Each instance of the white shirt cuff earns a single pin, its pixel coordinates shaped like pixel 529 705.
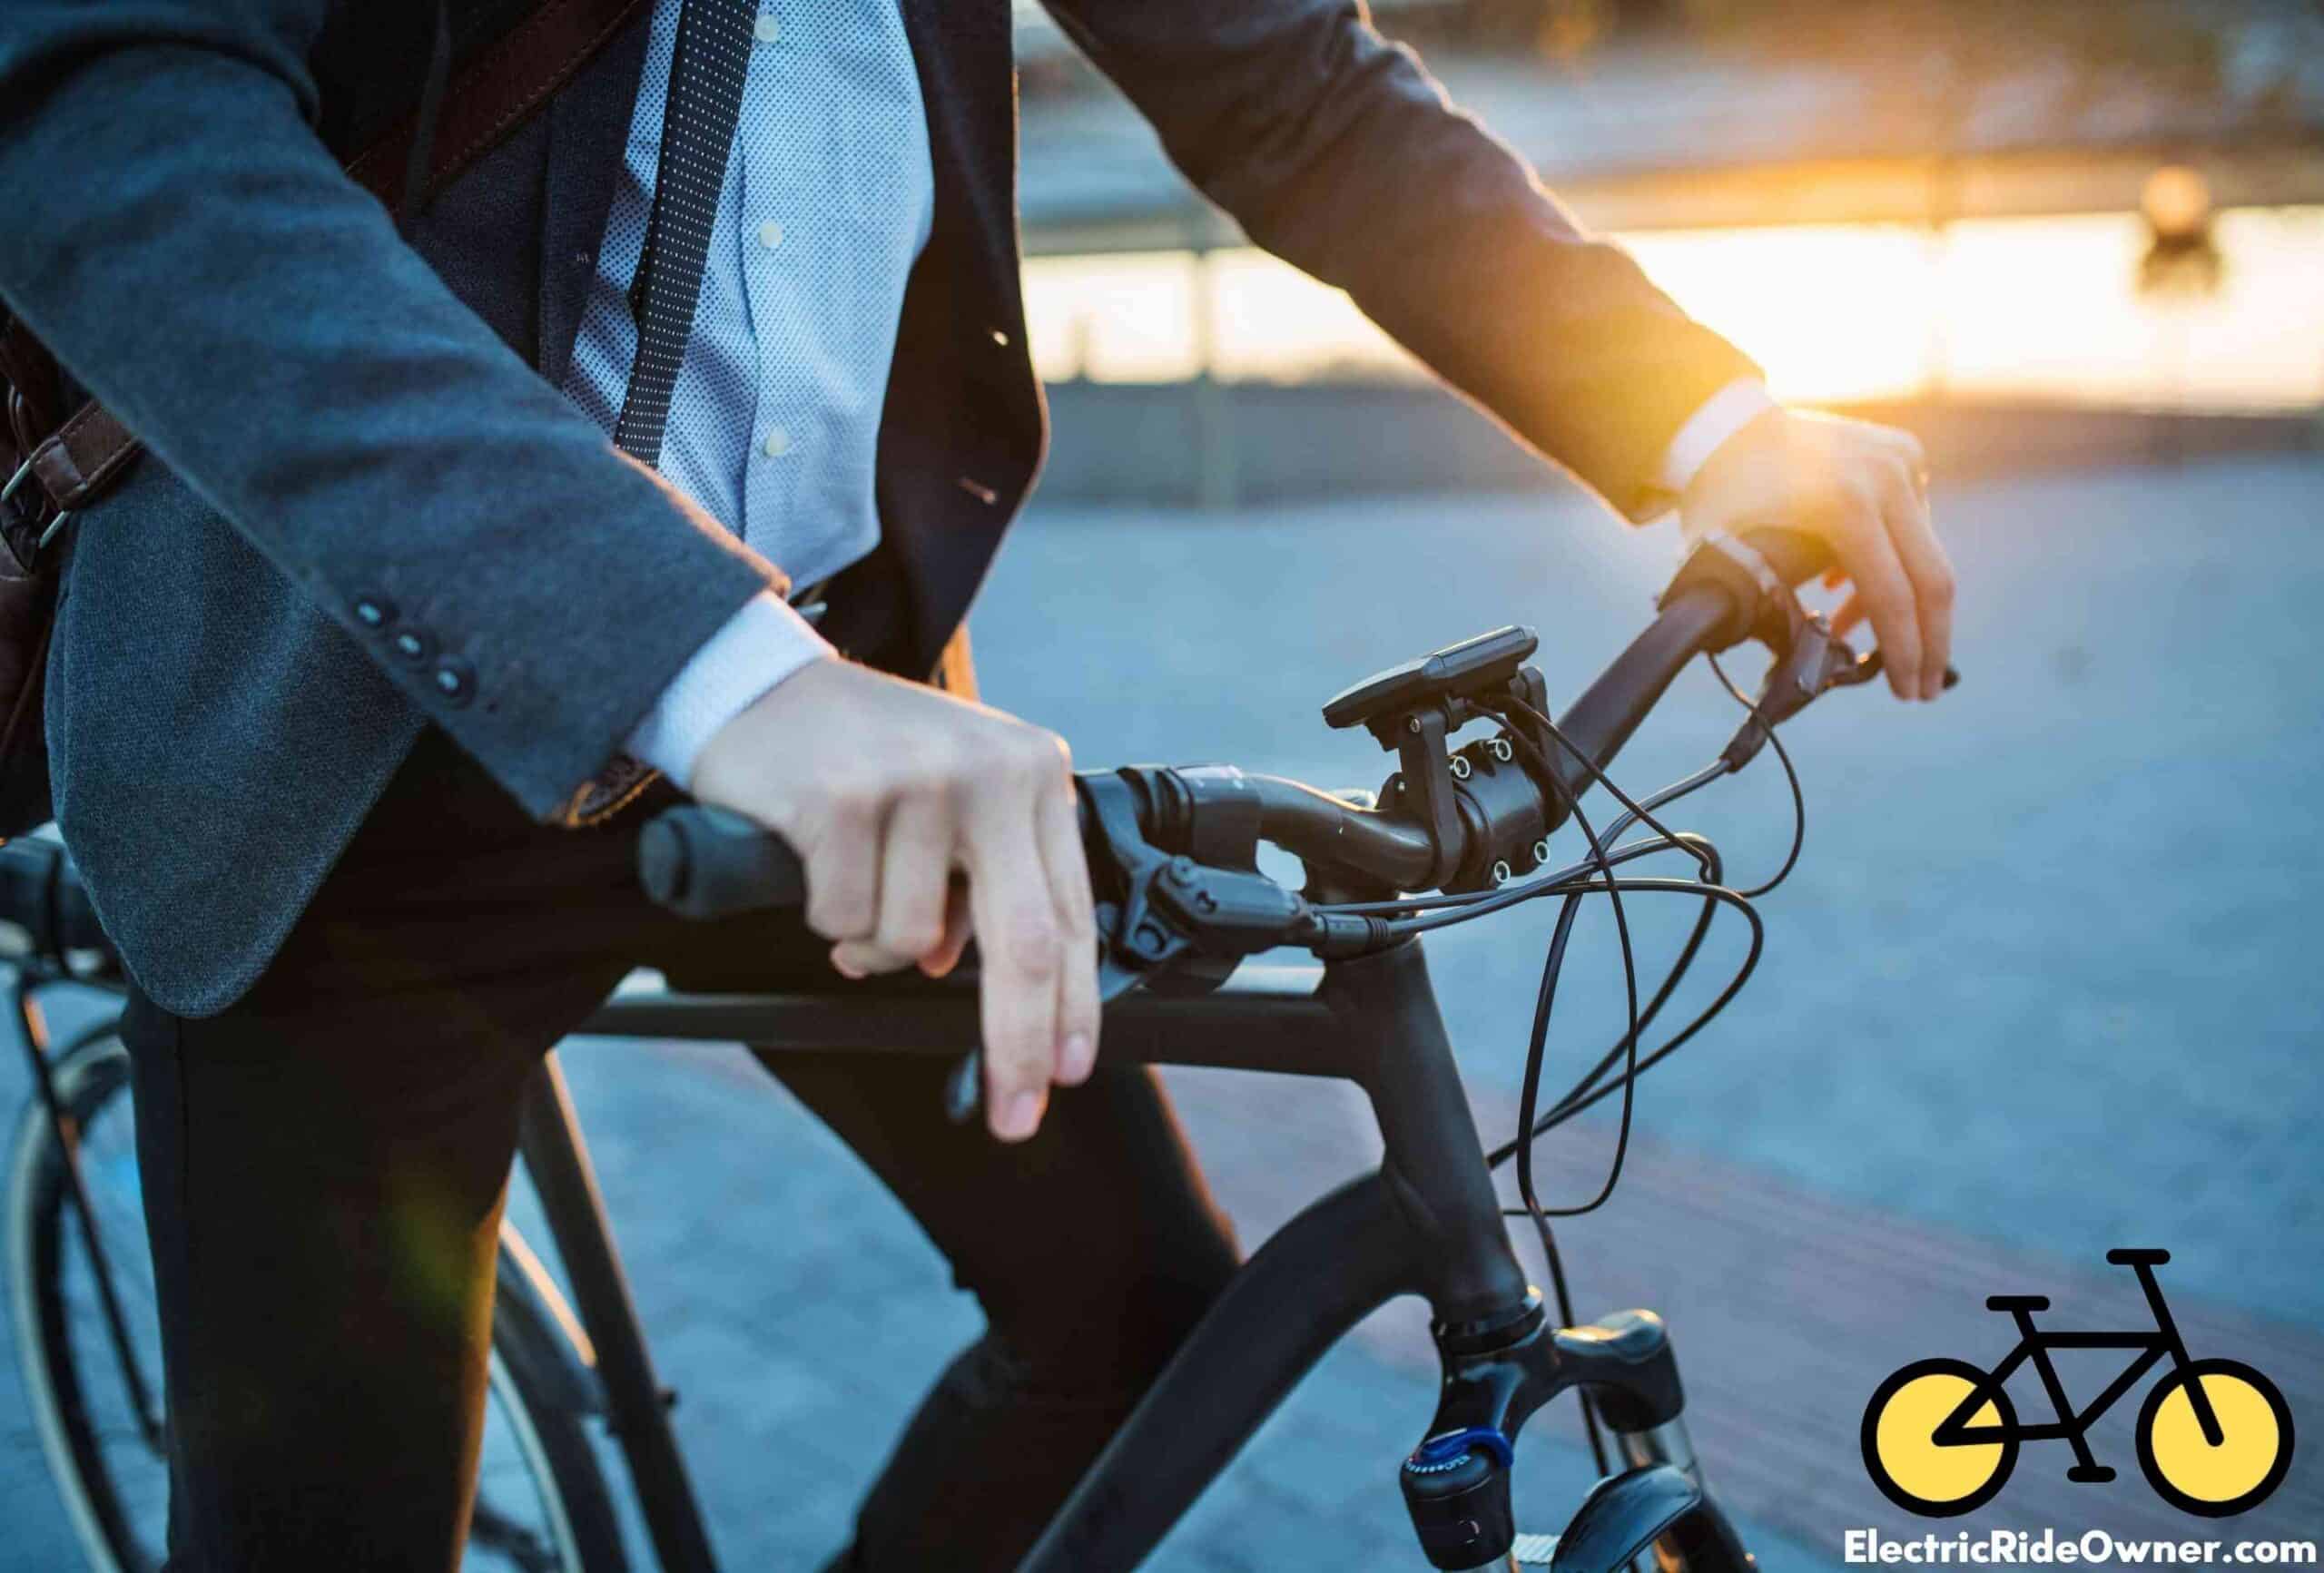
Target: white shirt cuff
pixel 757 648
pixel 1715 420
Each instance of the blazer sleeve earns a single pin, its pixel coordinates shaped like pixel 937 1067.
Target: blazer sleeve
pixel 182 242
pixel 1337 152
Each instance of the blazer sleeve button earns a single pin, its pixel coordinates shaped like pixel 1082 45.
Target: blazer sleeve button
pixel 413 645
pixel 455 679
pixel 374 611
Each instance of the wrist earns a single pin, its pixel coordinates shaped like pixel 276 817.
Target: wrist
pixel 731 765
pixel 1710 496
pixel 1714 427
pixel 761 647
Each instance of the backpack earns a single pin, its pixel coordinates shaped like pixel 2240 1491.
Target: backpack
pixel 63 451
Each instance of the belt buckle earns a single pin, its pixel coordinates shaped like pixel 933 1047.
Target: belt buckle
pixel 21 526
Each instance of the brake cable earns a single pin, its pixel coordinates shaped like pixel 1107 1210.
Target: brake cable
pixel 1790 775
pixel 1526 731
pixel 1585 1093
pixel 1573 1102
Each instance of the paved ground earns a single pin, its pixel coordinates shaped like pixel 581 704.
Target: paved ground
pixel 2040 987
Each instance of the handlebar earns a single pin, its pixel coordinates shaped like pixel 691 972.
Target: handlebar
pixel 705 862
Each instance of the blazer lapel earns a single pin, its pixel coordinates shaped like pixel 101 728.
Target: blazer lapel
pixel 964 53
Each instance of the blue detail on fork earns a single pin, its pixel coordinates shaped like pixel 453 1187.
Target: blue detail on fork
pixel 1442 1453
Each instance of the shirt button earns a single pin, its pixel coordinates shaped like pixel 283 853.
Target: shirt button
pixel 766 29
pixel 455 679
pixel 770 234
pixel 776 443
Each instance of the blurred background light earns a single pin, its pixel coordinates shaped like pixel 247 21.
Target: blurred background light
pixel 2053 307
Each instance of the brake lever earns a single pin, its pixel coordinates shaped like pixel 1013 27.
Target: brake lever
pixel 1868 666
pixel 1138 937
pixel 1816 662
pixel 964 1088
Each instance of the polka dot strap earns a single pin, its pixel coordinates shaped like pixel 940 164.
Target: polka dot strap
pixel 705 99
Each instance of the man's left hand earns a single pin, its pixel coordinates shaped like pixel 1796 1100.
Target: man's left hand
pixel 1863 489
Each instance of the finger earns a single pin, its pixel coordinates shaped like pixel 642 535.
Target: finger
pixel 843 875
pixel 1057 821
pixel 1906 514
pixel 1835 576
pixel 939 962
pixel 1870 558
pixel 1850 615
pixel 1019 948
pixel 1908 449
pixel 915 870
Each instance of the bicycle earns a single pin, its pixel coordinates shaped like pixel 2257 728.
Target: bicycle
pixel 1940 1436
pixel 1182 907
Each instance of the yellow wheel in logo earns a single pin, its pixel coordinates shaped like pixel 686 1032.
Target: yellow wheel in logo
pixel 2255 1441
pixel 1910 1466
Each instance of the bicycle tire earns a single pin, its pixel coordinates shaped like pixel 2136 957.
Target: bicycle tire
pixel 40 1237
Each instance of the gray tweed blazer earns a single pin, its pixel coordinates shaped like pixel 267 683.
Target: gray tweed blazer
pixel 350 436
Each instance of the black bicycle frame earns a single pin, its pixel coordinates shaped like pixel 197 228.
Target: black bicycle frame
pixel 2034 1345
pixel 1427 1222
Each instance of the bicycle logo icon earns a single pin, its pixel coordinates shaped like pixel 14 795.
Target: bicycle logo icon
pixel 2214 1437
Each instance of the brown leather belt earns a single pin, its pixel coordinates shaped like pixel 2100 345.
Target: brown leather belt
pixel 70 463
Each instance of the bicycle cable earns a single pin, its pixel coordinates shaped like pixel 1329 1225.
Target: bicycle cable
pixel 1573 1102
pixel 1790 775
pixel 1589 1090
pixel 1596 875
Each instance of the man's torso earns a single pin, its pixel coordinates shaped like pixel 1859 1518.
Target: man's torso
pixel 207 809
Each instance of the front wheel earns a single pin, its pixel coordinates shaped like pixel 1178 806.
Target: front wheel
pixel 2255 1441
pixel 541 1503
pixel 1901 1452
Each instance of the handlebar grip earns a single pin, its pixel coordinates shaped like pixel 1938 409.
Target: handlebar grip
pixel 701 862
pixel 1795 558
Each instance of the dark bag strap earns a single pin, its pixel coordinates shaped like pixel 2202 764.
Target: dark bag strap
pixel 71 463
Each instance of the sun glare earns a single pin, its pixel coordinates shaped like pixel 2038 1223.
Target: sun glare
pixel 2043 308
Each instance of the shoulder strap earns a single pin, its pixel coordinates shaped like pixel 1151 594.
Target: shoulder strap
pixel 494 93
pixel 73 463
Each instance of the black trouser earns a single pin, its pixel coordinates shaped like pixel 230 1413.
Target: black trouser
pixel 325 1164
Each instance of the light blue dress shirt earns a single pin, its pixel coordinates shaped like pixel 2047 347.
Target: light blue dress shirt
pixel 775 419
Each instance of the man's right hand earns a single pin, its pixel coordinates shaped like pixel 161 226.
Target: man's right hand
pixel 885 789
